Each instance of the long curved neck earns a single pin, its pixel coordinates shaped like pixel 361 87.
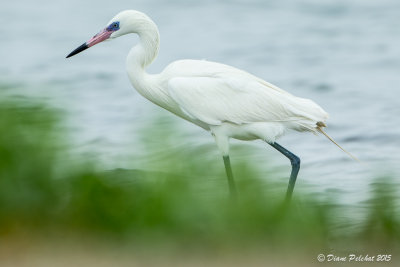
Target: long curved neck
pixel 143 54
pixel 139 57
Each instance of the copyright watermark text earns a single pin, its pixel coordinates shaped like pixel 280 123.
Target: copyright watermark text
pixel 354 258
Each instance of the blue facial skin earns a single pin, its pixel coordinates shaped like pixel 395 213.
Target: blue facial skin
pixel 113 27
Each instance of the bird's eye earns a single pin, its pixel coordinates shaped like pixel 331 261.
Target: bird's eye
pixel 113 26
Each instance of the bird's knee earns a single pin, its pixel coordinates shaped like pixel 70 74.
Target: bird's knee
pixel 295 160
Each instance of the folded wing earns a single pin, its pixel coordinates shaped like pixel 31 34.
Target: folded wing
pixel 242 99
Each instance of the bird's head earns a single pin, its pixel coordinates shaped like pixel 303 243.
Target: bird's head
pixel 125 22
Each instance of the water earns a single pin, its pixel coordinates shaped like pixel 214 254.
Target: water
pixel 344 55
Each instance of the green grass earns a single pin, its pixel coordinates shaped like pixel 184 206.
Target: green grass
pixel 43 192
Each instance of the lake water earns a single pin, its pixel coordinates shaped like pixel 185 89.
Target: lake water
pixel 345 55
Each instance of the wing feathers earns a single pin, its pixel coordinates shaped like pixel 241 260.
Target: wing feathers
pixel 240 100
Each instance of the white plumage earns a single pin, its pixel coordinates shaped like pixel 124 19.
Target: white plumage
pixel 229 102
pixel 236 104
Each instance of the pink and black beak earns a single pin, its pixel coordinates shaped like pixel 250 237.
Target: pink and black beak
pixel 98 38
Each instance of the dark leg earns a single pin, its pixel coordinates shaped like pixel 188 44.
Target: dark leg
pixel 231 182
pixel 295 161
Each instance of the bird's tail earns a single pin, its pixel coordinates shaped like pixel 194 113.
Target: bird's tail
pixel 319 129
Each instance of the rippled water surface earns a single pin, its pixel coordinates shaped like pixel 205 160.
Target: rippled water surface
pixel 345 55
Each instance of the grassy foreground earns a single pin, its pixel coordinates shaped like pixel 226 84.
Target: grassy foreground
pixel 50 205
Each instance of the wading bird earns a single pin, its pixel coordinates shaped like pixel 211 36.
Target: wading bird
pixel 228 102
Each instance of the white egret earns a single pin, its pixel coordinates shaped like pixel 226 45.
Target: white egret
pixel 228 102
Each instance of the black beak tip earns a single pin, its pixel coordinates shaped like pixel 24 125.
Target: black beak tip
pixel 78 50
